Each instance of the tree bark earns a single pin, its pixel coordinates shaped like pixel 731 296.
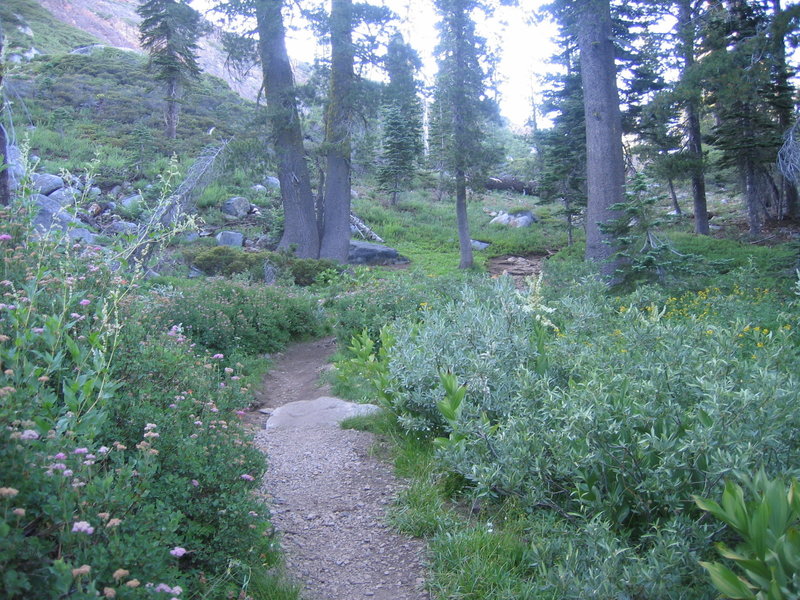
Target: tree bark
pixel 464 241
pixel 172 109
pixel 335 243
pixel 300 227
pixel 460 133
pixel 784 105
pixel 676 207
pixel 5 187
pixel 605 166
pixel 749 174
pixel 687 34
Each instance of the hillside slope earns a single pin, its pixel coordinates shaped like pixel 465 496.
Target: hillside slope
pixel 109 22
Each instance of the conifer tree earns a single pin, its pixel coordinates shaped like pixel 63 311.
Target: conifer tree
pixel 461 110
pixel 402 119
pixel 169 32
pixel 736 72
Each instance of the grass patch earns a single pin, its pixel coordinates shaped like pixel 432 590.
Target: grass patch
pixel 51 35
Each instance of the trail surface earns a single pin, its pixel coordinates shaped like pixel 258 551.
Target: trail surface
pixel 329 493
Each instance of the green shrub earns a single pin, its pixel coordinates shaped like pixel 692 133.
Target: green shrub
pixel 232 317
pixel 123 470
pixel 769 551
pixel 228 261
pixel 614 410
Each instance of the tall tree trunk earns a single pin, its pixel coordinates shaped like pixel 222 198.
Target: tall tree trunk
pixel 299 227
pixel 749 174
pixel 172 109
pixel 335 242
pixel 460 133
pixel 687 33
pixel 5 187
pixel 605 165
pixel 676 207
pixel 464 241
pixel 784 103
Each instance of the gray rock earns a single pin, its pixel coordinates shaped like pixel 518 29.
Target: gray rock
pixel 523 218
pixel 262 242
pixel 45 183
pixel 16 169
pixel 259 189
pixel 94 192
pixel 479 245
pixel 123 228
pixel 236 207
pixel 131 202
pixel 191 236
pixel 366 253
pixel 51 215
pixel 270 273
pixel 81 234
pixel 65 196
pixel 322 411
pixel 230 238
pixel 272 183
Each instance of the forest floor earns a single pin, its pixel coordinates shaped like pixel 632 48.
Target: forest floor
pixel 329 492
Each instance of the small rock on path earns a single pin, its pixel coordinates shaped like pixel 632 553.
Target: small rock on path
pixel 329 493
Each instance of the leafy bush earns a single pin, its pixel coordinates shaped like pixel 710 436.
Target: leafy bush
pixel 227 261
pixel 123 470
pixel 236 317
pixel 769 552
pixel 614 411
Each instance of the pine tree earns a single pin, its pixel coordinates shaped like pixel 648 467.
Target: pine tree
pixel 736 71
pixel 401 118
pixel 605 166
pixel 169 32
pixel 461 108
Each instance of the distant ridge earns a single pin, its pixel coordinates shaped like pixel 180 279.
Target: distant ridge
pixel 115 23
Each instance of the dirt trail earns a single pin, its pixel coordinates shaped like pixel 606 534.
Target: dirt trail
pixel 329 495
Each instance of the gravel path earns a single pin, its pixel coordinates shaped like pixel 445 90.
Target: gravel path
pixel 329 496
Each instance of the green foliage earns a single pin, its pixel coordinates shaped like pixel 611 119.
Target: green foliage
pixel 378 301
pixel 610 412
pixel 169 32
pixel 769 552
pixel 228 261
pixel 59 38
pixel 645 255
pixel 123 470
pixel 402 119
pixel 106 106
pixel 234 317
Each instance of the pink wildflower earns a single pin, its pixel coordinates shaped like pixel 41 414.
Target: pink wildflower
pixel 218 356
pixel 177 551
pixel 5 237
pixel 82 527
pixel 29 434
pixel 246 477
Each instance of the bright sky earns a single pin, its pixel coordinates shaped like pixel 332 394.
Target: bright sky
pixel 523 46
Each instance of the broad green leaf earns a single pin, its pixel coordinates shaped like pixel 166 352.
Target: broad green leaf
pixel 727 582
